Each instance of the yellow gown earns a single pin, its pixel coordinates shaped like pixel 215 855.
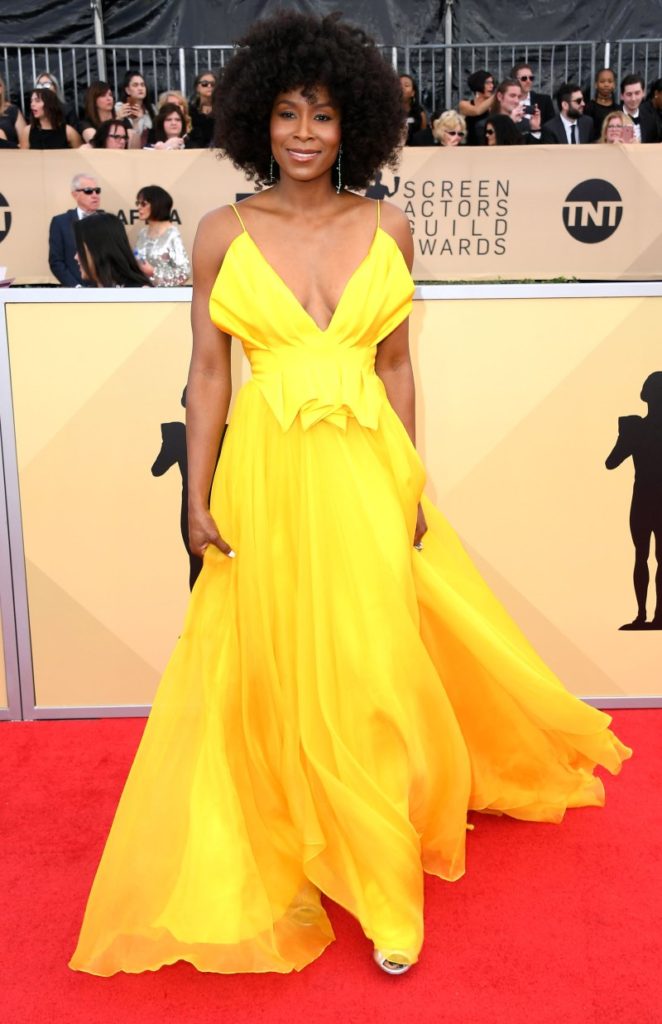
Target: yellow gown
pixel 337 701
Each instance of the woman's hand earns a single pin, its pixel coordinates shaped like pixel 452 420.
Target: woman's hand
pixel 421 528
pixel 203 531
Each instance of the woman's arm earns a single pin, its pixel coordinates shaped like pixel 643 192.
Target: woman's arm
pixel 474 108
pixel 393 361
pixel 393 366
pixel 179 257
pixel 140 252
pixel 20 123
pixel 73 138
pixel 24 138
pixel 209 386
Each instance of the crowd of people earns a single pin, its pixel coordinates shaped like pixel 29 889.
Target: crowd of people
pixel 94 251
pixel 513 113
pixel 132 120
pixel 129 121
pixel 88 247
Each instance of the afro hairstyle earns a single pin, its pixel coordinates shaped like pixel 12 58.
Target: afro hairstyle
pixel 296 51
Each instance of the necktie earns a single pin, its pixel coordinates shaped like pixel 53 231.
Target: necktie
pixel 573 136
pixel 635 119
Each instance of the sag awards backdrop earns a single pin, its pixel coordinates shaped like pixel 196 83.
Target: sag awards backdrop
pixel 519 403
pixel 535 212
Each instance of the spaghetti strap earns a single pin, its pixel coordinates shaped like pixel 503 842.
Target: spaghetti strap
pixel 379 208
pixel 244 226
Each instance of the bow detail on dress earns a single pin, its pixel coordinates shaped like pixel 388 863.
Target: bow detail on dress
pixel 319 384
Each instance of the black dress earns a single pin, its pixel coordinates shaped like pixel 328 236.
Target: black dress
pixel 8 126
pixel 414 122
pixel 598 112
pixel 476 128
pixel 424 138
pixel 151 140
pixel 85 124
pixel 202 130
pixel 48 138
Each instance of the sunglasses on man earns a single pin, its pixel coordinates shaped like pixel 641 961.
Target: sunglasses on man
pixel 89 191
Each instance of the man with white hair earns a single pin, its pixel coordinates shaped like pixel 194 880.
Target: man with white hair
pixel 61 245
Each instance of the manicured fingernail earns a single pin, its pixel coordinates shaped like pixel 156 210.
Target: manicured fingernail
pixel 232 554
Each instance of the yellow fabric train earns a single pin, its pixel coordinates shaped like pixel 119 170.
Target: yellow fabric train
pixel 337 701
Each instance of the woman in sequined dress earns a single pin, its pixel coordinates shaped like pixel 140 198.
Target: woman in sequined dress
pixel 159 250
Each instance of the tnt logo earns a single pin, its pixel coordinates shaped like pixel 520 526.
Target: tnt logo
pixel 592 211
pixel 5 218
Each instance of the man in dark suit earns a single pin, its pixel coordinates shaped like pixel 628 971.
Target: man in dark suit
pixel 571 126
pixel 654 103
pixel 61 245
pixel 523 73
pixel 646 127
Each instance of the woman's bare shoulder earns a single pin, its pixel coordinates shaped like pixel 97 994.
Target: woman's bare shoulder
pixel 392 217
pixel 223 220
pixel 395 222
pixel 228 221
pixel 216 232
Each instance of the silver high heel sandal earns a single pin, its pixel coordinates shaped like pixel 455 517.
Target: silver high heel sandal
pixel 390 966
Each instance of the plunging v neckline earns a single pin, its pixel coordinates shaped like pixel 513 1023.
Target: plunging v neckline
pixel 288 290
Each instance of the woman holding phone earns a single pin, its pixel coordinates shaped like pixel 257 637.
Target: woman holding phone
pixel 617 127
pixel 135 105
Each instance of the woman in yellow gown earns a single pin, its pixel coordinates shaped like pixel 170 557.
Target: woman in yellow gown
pixel 346 687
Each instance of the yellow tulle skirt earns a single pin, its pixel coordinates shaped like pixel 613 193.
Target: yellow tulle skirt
pixel 336 703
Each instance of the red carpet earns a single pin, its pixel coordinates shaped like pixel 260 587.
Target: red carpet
pixel 551 925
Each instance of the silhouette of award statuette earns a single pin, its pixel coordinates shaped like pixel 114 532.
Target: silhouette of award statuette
pixel 173 453
pixel 640 437
pixel 378 190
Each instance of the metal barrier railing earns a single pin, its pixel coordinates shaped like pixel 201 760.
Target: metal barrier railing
pixel 552 63
pixel 163 67
pixel 641 55
pixel 441 71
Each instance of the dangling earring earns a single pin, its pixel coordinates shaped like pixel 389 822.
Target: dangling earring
pixel 272 180
pixel 338 170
